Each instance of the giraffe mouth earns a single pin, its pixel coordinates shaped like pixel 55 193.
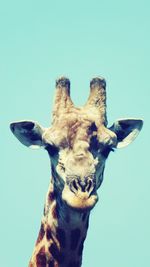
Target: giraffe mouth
pixel 78 199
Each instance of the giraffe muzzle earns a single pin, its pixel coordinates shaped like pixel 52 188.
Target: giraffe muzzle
pixel 81 186
pixel 80 194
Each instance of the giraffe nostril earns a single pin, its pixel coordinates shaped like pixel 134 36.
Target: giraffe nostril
pixel 74 186
pixel 74 183
pixel 89 185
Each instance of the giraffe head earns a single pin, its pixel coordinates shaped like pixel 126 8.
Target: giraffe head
pixel 78 142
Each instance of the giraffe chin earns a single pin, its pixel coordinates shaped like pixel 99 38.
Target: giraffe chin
pixel 79 200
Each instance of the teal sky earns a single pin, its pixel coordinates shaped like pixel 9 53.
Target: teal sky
pixel 41 40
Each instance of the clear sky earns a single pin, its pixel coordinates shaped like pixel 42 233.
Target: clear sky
pixel 41 40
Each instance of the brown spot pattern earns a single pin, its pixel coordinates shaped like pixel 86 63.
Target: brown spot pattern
pixel 56 254
pixel 51 196
pixel 54 212
pixel 41 258
pixel 48 233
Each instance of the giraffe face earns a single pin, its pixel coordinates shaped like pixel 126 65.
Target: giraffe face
pixel 78 161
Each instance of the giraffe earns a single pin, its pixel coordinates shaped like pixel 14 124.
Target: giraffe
pixel 78 143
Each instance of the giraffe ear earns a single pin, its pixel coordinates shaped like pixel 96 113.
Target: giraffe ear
pixel 126 131
pixel 29 133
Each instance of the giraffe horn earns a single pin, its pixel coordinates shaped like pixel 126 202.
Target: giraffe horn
pixel 62 97
pixel 97 98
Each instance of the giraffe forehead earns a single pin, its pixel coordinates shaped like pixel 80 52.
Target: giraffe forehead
pixel 69 128
pixel 74 121
pixel 77 114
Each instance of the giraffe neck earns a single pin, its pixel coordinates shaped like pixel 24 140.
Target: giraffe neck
pixel 62 234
